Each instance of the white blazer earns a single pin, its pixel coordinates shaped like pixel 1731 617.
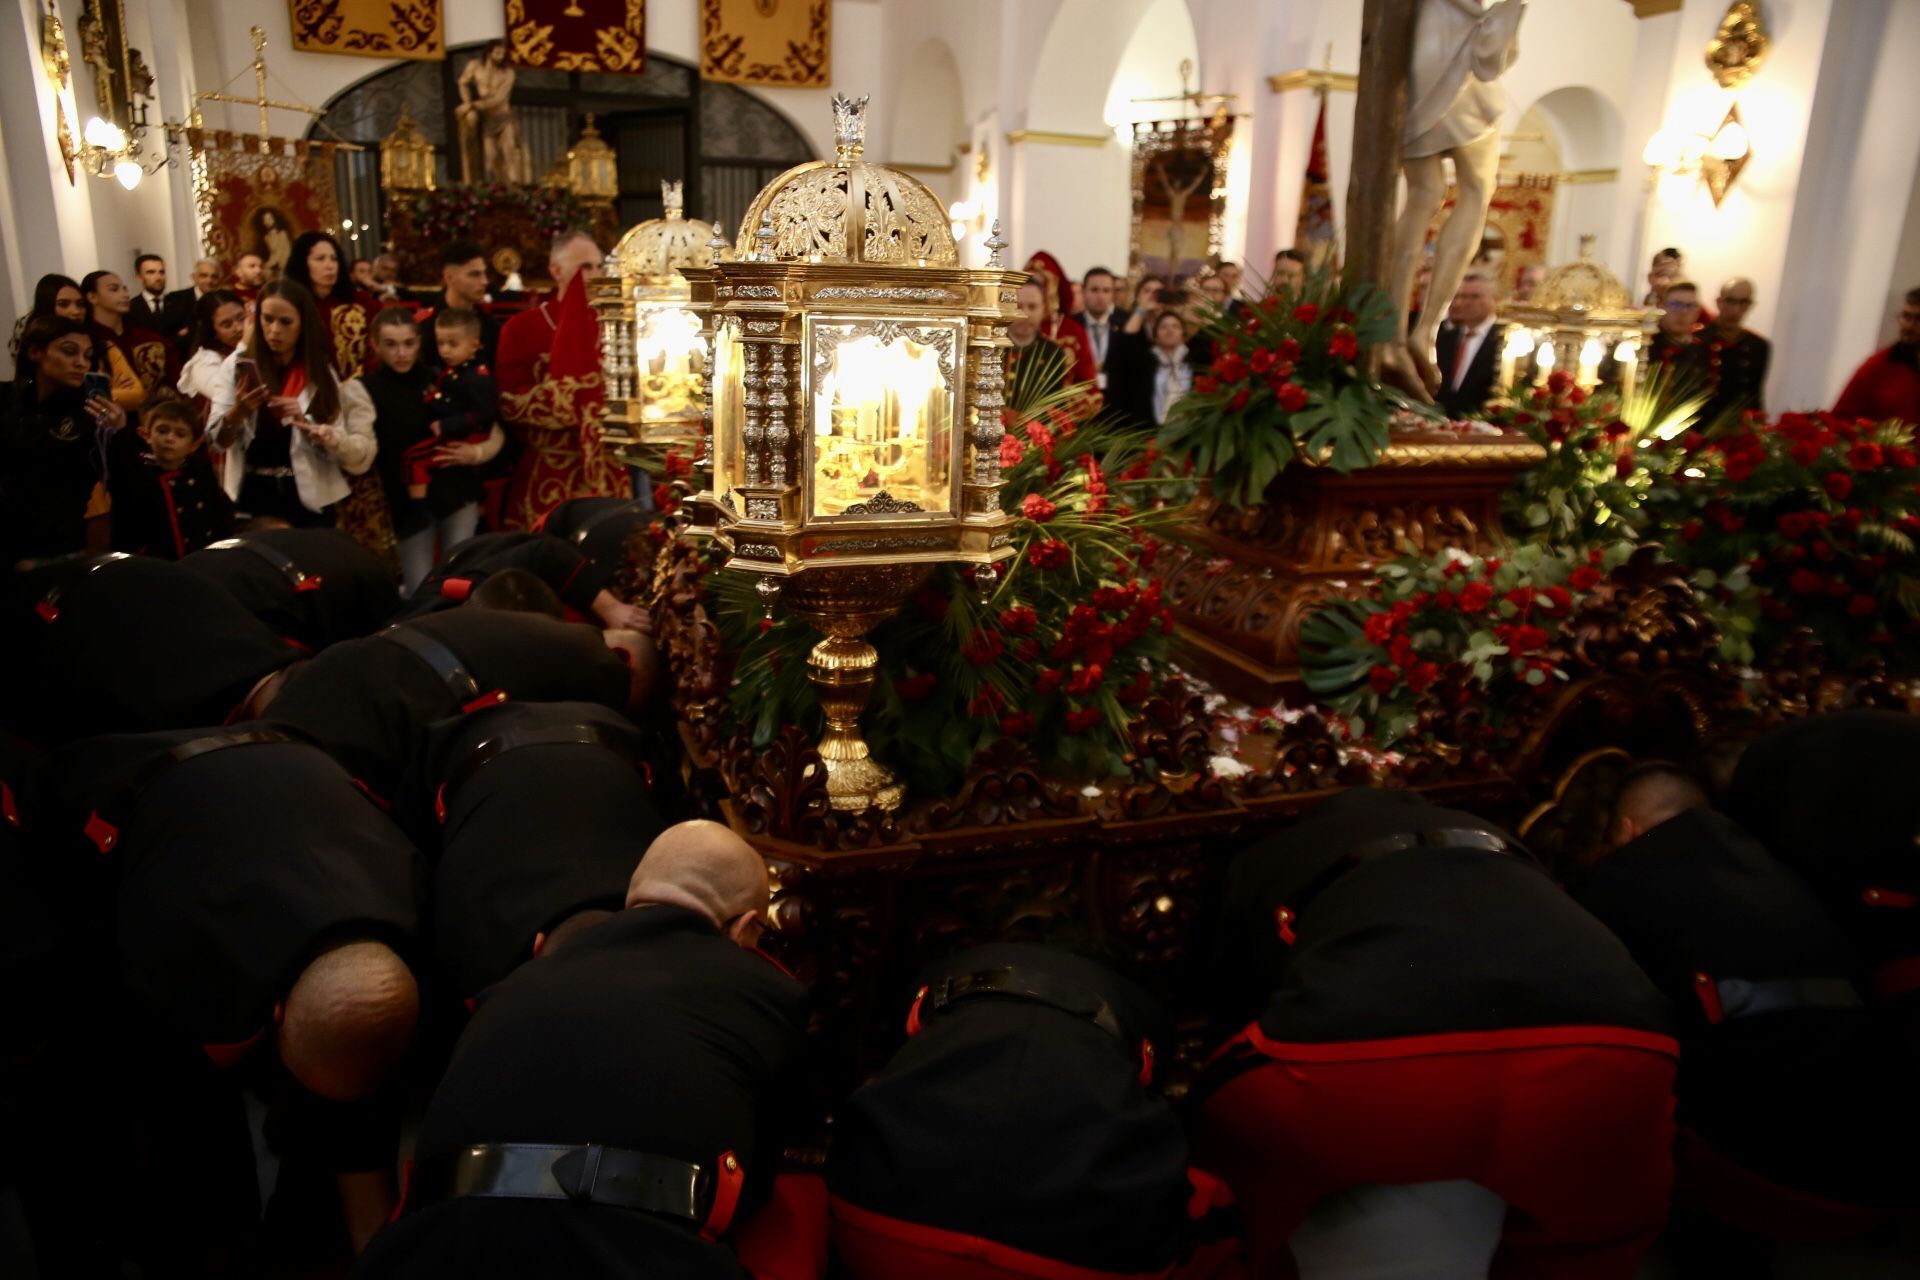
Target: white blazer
pixel 319 474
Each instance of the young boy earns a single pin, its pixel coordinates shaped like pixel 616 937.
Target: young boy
pixel 435 429
pixel 166 500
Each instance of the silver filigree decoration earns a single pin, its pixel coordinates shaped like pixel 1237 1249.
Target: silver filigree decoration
pixel 777 400
pixel 726 500
pixel 757 551
pixel 849 125
pixel 995 243
pixel 763 239
pixel 763 326
pixel 757 291
pixel 882 504
pixel 1000 540
pixel 763 508
pixel 890 293
pixel 850 545
pixel 827 339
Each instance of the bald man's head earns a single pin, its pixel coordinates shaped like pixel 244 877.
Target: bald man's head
pixel 349 1020
pixel 705 867
pixel 1651 794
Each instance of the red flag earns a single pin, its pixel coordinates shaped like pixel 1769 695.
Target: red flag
pixel 1314 233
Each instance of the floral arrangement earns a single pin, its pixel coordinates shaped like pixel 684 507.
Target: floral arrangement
pixel 1286 382
pixel 1058 652
pixel 1449 630
pixel 453 213
pixel 1808 522
pixel 1604 454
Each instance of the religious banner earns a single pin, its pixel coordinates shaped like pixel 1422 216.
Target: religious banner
pixel 1314 233
pixel 1179 194
pixel 1519 224
pixel 578 35
pixel 369 28
pixel 254 202
pixel 778 42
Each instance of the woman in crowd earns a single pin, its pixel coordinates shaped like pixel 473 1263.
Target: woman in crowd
pixel 51 443
pixel 219 324
pixel 55 295
pixel 292 433
pixel 1146 389
pixel 319 263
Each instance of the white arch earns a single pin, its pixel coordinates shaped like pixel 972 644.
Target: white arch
pixel 1588 125
pixel 1084 47
pixel 932 117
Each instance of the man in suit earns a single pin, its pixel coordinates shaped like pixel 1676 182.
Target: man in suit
pixel 1467 351
pixel 1102 323
pixel 168 314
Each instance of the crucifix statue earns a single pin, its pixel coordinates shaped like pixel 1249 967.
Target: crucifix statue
pixel 1429 91
pixel 490 141
pixel 1165 167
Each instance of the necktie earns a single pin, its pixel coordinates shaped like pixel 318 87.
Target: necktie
pixel 1460 357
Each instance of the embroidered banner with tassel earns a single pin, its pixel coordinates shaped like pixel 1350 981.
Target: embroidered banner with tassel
pixel 369 28
pixel 578 35
pixel 775 42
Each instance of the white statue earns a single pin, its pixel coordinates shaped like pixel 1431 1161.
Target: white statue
pixel 1454 104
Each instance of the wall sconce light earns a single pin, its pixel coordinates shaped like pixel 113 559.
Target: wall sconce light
pixel 1718 157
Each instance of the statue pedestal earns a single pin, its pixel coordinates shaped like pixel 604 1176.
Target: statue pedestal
pixel 1253 574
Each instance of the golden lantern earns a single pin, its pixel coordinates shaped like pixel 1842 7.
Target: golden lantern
pixel 406 157
pixel 856 395
pixel 652 351
pixel 593 170
pixel 1581 320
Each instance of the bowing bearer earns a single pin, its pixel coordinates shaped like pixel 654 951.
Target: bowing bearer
pixel 316 586
pixel 610 1110
pixel 1793 1123
pixel 1417 1002
pixel 577 575
pixel 1017 1132
pixel 517 871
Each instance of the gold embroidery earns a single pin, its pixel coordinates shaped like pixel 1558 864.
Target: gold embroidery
pixel 349 340
pixel 150 362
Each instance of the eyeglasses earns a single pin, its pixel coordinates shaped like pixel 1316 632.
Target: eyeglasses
pixel 1683 306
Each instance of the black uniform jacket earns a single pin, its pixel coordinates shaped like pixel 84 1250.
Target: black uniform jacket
pixel 370 701
pixel 128 644
pixel 1807 1096
pixel 1423 941
pixel 168 514
pixel 227 870
pixel 316 586
pixel 648 1032
pixel 536 823
pixel 1024 1123
pixel 1833 797
pixel 561 565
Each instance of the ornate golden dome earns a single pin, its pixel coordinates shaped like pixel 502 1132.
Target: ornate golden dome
pixel 1585 285
pixel 659 247
pixel 846 210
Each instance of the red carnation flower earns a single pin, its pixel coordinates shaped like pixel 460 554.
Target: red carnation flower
pixel 1288 350
pixel 984 647
pixel 1559 382
pixel 1585 578
pixel 1380 628
pixel 1383 679
pixel 1292 397
pixel 1862 606
pixel 1903 458
pixel 1037 509
pixel 1419 678
pixel 1206 385
pixel 1400 652
pixel 1230 368
pixel 1239 400
pixel 914 688
pixel 1049 680
pixel 1011 451
pixel 1019 620
pixel 1085 680
pixel 987 702
pixel 1018 725
pixel 1865 456
pixel 1839 485
pixel 1794 524
pixel 1306 313
pixel 1559 598
pixel 1526 639
pixel 1343 345
pixel 1050 554
pixel 1083 720
pixel 1475 597
pixel 1806 582
pixel 1806 453
pixel 1263 360
pixel 1623 466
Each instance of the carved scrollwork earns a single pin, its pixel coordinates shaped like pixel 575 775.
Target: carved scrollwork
pixel 882 504
pixel 1643 617
pixel 1004 786
pixel 883 293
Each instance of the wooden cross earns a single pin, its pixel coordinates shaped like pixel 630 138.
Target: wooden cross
pixel 1379 116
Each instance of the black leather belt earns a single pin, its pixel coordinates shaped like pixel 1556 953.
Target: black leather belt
pixel 700 1197
pixel 1724 999
pixel 445 664
pixel 566 735
pixel 103 828
pixel 1436 838
pixel 1009 982
pixel 49 607
pixel 579 536
pixel 279 559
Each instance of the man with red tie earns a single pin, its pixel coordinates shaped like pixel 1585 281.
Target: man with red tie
pixel 1467 351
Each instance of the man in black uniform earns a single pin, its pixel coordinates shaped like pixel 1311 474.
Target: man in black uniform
pixel 578 578
pixel 316 586
pixel 370 701
pixel 1792 1107
pixel 1418 1002
pixel 118 643
pixel 609 1110
pixel 539 807
pixel 1832 796
pixel 260 906
pixel 1017 1127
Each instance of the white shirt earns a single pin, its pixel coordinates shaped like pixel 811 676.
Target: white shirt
pixel 156 300
pixel 1172 378
pixel 1469 348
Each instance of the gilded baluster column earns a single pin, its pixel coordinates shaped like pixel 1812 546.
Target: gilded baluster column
pixel 780 383
pixel 987 394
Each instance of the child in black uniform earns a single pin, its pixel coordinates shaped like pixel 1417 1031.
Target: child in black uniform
pixel 166 500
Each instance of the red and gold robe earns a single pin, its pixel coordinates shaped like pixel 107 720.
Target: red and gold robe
pixel 364 512
pixel 138 361
pixel 552 400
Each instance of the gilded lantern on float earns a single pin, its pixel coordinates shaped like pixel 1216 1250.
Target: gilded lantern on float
pixel 593 169
pixel 1582 320
pixel 406 157
pixel 856 396
pixel 652 347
